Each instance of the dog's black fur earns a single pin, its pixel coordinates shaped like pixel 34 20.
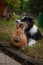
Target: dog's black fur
pixel 36 36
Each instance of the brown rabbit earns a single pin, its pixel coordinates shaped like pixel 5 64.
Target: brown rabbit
pixel 19 38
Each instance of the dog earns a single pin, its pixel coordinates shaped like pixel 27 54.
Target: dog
pixel 18 38
pixel 32 32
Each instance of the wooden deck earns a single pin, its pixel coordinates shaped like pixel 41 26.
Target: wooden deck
pixel 6 60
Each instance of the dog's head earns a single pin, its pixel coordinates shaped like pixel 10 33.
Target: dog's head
pixel 18 38
pixel 28 20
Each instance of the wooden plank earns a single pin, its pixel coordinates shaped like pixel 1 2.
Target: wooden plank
pixel 11 61
pixel 5 60
pixel 2 58
pixel 2 63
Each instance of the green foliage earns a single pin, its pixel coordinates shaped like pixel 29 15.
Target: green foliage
pixel 34 6
pixel 25 8
pixel 15 4
pixel 15 17
pixel 29 6
pixel 6 29
pixel 41 20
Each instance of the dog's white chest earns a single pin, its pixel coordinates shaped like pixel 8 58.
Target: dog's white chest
pixel 33 30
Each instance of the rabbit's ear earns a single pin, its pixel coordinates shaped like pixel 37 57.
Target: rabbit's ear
pixel 23 26
pixel 17 25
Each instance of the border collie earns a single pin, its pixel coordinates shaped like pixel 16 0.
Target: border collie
pixel 32 31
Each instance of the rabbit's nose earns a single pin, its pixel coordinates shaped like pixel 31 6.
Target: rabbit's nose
pixel 16 39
